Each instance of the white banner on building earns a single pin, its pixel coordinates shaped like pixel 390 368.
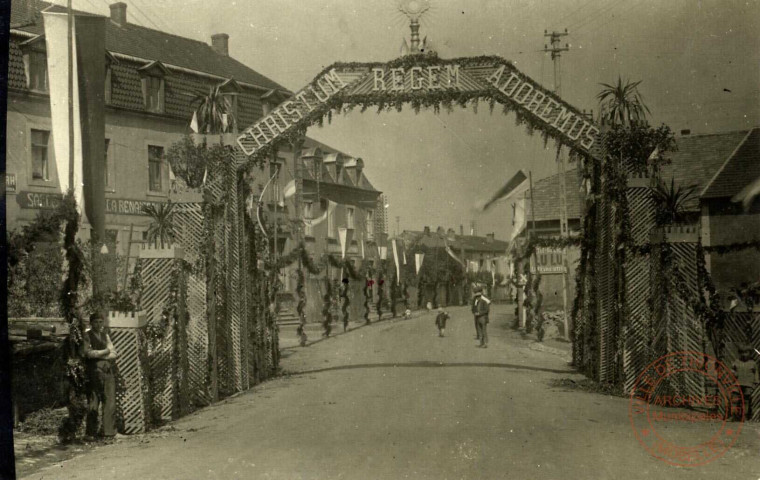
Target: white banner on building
pixel 57 44
pixel 418 258
pixel 518 218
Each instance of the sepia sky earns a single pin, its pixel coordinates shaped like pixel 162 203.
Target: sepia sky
pixel 699 62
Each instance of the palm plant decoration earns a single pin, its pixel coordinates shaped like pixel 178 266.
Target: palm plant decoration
pixel 161 228
pixel 622 104
pixel 214 112
pixel 672 201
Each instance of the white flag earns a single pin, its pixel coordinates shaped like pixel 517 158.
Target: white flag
pixel 518 218
pixel 418 258
pixel 290 189
pixel 194 123
pixel 396 261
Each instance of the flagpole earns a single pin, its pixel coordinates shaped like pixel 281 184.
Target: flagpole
pixel 70 39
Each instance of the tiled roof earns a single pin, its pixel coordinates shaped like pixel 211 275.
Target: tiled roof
pixel 739 170
pixel 348 175
pixel 546 197
pixel 468 242
pixel 142 42
pixel 699 158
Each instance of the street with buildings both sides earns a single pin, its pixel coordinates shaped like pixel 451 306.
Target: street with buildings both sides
pixel 393 400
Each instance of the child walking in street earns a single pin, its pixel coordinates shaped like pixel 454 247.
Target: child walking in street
pixel 440 321
pixel 747 376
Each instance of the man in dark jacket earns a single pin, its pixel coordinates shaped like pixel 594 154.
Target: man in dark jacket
pixel 100 356
pixel 481 308
pixel 477 291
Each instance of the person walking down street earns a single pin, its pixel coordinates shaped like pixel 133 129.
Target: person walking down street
pixel 481 307
pixel 476 291
pixel 440 321
pixel 100 356
pixel 748 377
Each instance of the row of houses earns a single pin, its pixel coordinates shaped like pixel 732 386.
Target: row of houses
pixel 717 166
pixel 153 80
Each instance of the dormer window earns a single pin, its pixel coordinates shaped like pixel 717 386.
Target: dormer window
pixel 153 86
pixel 230 90
pixel 35 64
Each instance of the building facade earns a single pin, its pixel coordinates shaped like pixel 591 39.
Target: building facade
pixel 152 81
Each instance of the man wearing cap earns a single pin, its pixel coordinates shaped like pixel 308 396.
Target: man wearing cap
pixel 100 355
pixel 480 309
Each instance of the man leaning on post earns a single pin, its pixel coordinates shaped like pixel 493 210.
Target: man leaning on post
pixel 100 354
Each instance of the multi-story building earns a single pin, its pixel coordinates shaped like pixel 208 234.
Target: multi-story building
pixel 152 79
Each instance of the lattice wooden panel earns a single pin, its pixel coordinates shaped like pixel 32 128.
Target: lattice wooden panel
pixel 188 220
pixel 687 328
pixel 158 274
pixel 641 214
pixel 605 291
pixel 235 290
pixel 133 400
pixel 638 332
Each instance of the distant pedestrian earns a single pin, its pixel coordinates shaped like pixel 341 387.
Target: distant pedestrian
pixel 481 307
pixel 475 292
pixel 408 314
pixel 100 356
pixel 440 321
pixel 747 376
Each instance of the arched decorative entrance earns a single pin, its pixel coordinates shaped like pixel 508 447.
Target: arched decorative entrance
pixel 422 80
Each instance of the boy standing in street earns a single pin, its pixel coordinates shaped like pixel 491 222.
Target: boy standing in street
pixel 440 321
pixel 100 357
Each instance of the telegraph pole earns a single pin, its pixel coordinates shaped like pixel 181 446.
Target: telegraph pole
pixel 556 51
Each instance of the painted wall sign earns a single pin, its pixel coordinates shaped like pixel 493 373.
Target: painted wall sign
pixel 50 201
pixel 10 183
pixel 550 260
pixel 360 83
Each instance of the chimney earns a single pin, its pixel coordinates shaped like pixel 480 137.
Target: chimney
pixel 119 13
pixel 490 237
pixel 427 231
pixel 440 231
pixel 221 42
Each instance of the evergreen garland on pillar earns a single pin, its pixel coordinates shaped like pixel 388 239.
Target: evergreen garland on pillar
pixel 345 302
pixel 301 332
pixel 394 295
pixel 327 299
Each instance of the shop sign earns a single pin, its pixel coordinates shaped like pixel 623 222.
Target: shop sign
pixel 50 201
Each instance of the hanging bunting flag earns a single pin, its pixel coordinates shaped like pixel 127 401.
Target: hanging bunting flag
pixel 194 123
pixel 451 253
pixel 518 218
pixel 396 261
pixel 290 189
pixel 362 245
pixel 418 258
pixel 345 235
pixel 382 252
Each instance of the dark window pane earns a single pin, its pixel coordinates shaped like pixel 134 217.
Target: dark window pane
pixel 155 155
pixel 40 154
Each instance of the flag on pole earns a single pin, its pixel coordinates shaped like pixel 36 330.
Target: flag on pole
pixel 516 185
pixel 518 218
pixel 88 63
pixel 345 235
pixel 452 254
pixel 418 258
pixel 362 243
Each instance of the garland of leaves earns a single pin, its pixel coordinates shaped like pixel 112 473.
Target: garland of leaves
pixel 345 302
pixel 388 100
pixel 327 299
pixel 301 331
pixel 394 294
pixel 380 287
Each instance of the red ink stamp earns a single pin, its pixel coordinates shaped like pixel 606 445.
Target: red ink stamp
pixel 678 426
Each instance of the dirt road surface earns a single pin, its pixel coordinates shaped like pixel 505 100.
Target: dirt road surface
pixel 393 401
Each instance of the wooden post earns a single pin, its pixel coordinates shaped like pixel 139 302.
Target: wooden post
pixel 129 252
